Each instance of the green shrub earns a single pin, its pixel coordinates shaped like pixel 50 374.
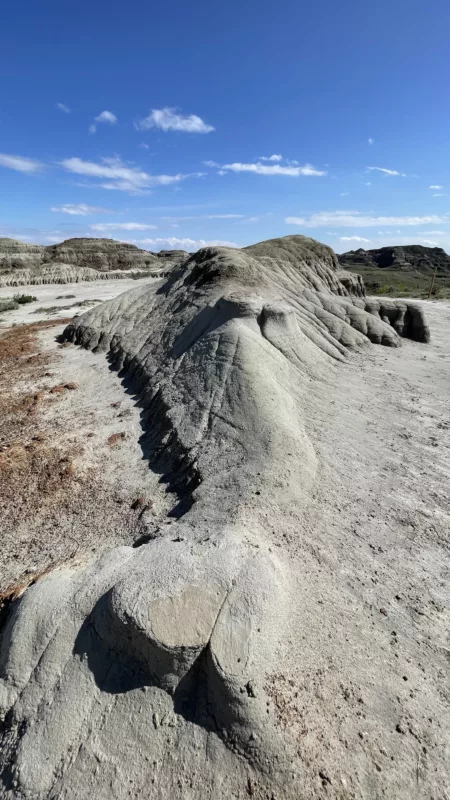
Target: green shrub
pixel 7 304
pixel 24 298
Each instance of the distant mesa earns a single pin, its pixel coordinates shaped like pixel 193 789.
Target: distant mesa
pixel 77 260
pixel 413 257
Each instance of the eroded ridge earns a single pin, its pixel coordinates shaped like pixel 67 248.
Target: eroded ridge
pixel 148 666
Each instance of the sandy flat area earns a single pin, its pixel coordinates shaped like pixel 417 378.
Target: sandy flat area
pixel 49 295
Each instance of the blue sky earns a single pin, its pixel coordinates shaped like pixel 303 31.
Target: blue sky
pixel 175 124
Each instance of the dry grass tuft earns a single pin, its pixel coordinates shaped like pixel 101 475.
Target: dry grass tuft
pixel 31 469
pixel 116 438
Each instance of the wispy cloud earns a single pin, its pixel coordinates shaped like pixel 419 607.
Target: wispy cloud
pixel 103 227
pixel 104 117
pixel 268 169
pixel 225 216
pixel 355 219
pixel 167 119
pixel 388 172
pixel 184 244
pixel 274 157
pixel 353 239
pixel 370 140
pixel 79 209
pixel 62 107
pixel 435 186
pixel 21 164
pixel 122 176
pixel 439 194
pixel 345 194
pixel 241 217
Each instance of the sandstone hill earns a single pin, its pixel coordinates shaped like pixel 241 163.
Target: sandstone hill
pixel 75 260
pixel 201 662
pixel 412 257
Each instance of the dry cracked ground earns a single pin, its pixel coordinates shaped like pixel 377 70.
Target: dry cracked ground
pixel 359 680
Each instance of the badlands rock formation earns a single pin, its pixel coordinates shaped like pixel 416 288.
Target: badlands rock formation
pixel 400 257
pixel 146 673
pixel 75 260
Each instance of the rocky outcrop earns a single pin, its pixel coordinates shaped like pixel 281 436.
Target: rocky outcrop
pixel 68 273
pixel 175 256
pixel 100 254
pixel 17 255
pixel 77 260
pixel 412 257
pixel 149 667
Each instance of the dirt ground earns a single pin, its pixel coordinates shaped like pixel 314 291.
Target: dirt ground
pixel 363 683
pixel 73 481
pixel 66 296
pixel 373 594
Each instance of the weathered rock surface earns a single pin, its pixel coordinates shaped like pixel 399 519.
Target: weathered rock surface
pixel 16 255
pixel 76 260
pixel 400 257
pixel 176 256
pixel 68 273
pixel 145 673
pixel 101 254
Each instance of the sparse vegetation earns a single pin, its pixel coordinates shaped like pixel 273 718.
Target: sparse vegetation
pixel 31 467
pixel 7 304
pixel 136 276
pixel 13 303
pixel 65 297
pixel 402 283
pixel 54 309
pixel 22 299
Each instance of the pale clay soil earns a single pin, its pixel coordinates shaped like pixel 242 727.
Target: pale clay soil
pixel 97 512
pixel 377 521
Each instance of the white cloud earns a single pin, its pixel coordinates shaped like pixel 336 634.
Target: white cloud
pixel 274 157
pixel 20 164
pixel 225 216
pixel 79 209
pixel 439 194
pixel 209 216
pixel 272 169
pixel 370 140
pixel 183 244
pixel 106 116
pixel 429 242
pixel 166 119
pixel 388 172
pixel 52 239
pixel 345 194
pixel 122 176
pixel 221 172
pixel 435 186
pixel 368 183
pixel 353 239
pixel 103 227
pixel 62 107
pixel 144 145
pixel 355 219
